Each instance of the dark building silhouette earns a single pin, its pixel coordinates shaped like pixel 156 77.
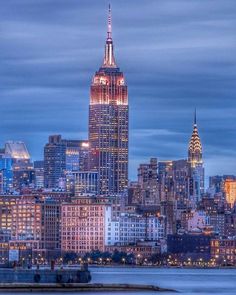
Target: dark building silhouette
pixel 189 243
pixel 54 161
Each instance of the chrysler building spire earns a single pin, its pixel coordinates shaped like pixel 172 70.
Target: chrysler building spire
pixel 109 60
pixel 195 146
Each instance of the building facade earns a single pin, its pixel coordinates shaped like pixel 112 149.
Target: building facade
pixel 230 191
pixel 108 123
pixel 86 225
pixel 86 183
pixel 54 161
pixel 134 228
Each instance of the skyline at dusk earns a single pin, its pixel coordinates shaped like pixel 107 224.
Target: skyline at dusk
pixel 172 59
pixel 117 146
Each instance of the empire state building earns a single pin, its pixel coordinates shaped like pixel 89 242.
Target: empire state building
pixel 108 122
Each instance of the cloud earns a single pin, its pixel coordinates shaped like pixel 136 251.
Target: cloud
pixel 176 55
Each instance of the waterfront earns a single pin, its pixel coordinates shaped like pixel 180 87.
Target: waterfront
pixel 186 281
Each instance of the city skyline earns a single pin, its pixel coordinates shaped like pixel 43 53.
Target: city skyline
pixel 163 133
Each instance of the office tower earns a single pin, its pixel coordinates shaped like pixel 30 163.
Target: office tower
pixel 77 153
pixel 39 174
pixel 196 163
pixel 167 195
pixel 147 178
pixel 182 180
pixel 145 191
pixel 23 172
pixel 108 123
pixel 61 158
pixel 166 181
pixel 6 174
pixel 54 161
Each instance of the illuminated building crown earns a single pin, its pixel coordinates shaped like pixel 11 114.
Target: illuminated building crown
pixel 195 146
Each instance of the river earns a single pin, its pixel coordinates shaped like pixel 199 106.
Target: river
pixel 186 281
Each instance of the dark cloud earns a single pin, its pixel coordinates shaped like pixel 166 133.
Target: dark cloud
pixel 176 55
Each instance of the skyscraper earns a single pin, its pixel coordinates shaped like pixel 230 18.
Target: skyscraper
pixel 54 161
pixel 108 123
pixel 62 157
pixel 196 163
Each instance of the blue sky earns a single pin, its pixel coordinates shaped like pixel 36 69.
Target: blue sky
pixel 176 55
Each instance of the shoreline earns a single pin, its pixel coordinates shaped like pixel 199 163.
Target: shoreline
pixel 156 266
pixel 95 287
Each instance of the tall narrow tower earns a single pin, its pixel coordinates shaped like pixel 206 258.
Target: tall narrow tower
pixel 195 146
pixel 108 122
pixel 196 162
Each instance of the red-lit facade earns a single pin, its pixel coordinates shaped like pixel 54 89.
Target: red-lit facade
pixel 108 123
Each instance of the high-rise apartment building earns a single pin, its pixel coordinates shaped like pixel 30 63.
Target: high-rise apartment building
pixel 108 123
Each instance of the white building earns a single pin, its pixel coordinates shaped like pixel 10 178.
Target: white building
pixel 134 228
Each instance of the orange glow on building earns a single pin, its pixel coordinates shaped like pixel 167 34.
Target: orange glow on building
pixel 230 191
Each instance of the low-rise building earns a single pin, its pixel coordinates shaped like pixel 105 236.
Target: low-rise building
pixel 189 243
pixel 223 251
pixel 86 225
pixel 134 228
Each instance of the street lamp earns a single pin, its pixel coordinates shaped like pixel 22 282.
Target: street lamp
pixel 123 260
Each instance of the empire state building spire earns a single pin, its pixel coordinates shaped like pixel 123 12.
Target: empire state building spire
pixel 109 59
pixel 195 146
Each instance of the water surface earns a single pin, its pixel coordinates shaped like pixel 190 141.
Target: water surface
pixel 186 281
